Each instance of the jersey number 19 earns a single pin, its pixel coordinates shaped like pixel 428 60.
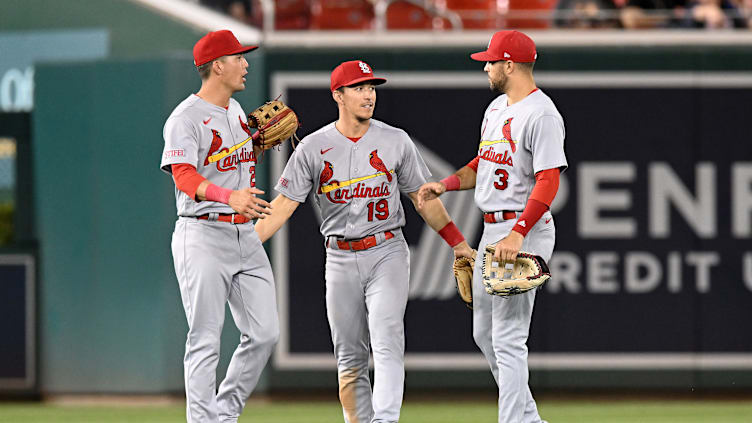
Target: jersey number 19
pixel 380 209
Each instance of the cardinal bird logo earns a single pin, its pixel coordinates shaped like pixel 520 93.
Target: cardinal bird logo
pixel 506 131
pixel 215 145
pixel 244 126
pixel 326 174
pixel 377 164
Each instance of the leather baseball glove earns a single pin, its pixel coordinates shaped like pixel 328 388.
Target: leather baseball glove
pixel 275 122
pixel 529 272
pixel 463 274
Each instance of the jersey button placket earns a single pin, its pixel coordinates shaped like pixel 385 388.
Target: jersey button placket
pixel 351 209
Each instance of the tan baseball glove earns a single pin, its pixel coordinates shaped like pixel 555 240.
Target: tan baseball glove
pixel 275 122
pixel 529 272
pixel 463 274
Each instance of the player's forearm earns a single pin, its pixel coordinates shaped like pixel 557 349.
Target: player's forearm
pixel 467 177
pixel 434 214
pixel 201 190
pixel 282 209
pixel 464 178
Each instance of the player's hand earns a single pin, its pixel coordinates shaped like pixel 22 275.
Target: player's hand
pixel 507 248
pixel 245 202
pixel 463 250
pixel 429 191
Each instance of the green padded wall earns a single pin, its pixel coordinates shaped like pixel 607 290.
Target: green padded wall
pixel 111 319
pixel 135 31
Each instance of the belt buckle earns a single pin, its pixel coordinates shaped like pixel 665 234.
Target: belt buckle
pixel 232 218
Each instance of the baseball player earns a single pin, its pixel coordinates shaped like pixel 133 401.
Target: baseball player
pixel 218 256
pixel 515 176
pixel 357 167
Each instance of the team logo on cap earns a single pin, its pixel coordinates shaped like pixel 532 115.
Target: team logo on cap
pixel 364 67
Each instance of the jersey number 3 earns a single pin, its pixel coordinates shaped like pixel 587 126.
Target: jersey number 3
pixel 380 209
pixel 502 183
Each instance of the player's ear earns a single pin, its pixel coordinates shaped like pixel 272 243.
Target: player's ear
pixel 217 66
pixel 337 96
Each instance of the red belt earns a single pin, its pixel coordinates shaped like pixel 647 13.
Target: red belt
pixel 363 243
pixel 505 215
pixel 230 218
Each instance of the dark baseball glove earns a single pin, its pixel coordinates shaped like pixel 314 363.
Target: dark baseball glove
pixel 463 274
pixel 529 272
pixel 275 122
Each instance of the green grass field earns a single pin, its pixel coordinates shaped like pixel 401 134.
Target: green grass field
pixel 555 411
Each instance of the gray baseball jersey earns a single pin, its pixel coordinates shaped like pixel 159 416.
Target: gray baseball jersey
pixel 357 187
pixel 218 262
pixel 213 139
pixel 357 183
pixel 516 142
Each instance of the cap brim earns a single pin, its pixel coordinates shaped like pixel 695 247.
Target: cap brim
pixel 243 50
pixel 484 56
pixel 371 79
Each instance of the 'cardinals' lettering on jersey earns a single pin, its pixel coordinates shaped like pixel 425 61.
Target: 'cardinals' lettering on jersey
pixel 357 184
pixel 516 142
pixel 210 138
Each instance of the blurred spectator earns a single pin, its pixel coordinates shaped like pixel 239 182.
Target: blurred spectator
pixel 583 14
pixel 713 14
pixel 238 9
pixel 643 14
pixel 745 12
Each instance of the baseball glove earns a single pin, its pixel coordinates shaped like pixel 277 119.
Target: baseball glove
pixel 529 272
pixel 275 122
pixel 463 274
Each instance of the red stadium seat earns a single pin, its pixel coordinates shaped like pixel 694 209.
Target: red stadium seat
pixel 341 14
pixel 405 15
pixel 537 13
pixel 288 14
pixel 475 14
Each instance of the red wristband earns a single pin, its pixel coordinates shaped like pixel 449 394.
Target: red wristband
pixel 217 193
pixel 451 234
pixel 452 182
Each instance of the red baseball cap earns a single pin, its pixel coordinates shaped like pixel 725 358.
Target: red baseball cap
pixel 353 72
pixel 217 44
pixel 508 45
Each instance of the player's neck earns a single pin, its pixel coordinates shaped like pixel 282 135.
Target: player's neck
pixel 517 92
pixel 352 127
pixel 215 93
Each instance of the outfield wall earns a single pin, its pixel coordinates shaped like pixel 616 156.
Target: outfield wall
pixel 110 315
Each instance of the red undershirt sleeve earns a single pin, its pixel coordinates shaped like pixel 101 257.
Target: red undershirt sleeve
pixel 186 178
pixel 474 164
pixel 544 192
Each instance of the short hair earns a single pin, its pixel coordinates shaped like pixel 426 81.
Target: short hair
pixel 528 66
pixel 205 70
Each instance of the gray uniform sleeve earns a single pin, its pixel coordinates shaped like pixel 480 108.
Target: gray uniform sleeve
pixel 181 143
pixel 296 180
pixel 547 143
pixel 412 171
